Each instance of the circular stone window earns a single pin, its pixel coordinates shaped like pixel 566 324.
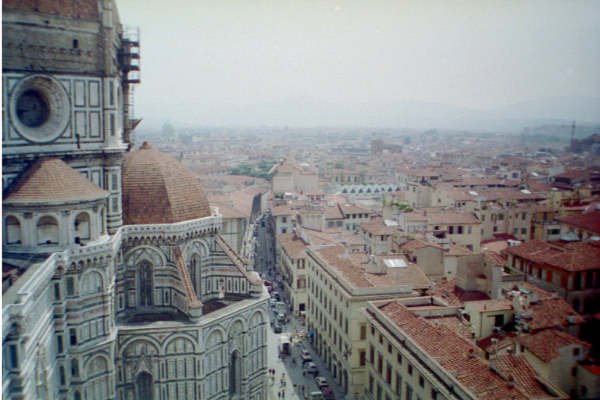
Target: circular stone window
pixel 39 108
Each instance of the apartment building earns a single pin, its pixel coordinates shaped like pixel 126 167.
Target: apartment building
pixel 340 284
pixel 287 176
pixel 353 216
pixel 571 270
pixel 292 262
pixel 411 357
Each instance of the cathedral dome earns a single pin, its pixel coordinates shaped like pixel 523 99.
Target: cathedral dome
pixel 157 189
pixel 51 181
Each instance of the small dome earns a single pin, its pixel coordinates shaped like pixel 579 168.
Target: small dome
pixel 157 189
pixel 51 181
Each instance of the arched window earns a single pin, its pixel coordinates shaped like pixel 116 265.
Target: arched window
pixel 13 230
pixel 195 273
pixel 96 384
pixel 143 386
pixel 91 282
pixel 235 374
pixel 145 283
pixel 82 227
pixel 47 230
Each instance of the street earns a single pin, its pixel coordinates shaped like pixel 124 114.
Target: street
pixel 288 381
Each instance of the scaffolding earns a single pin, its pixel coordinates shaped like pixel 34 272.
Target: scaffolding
pixel 129 58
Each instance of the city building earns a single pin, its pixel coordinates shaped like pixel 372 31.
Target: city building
pixel 571 270
pixel 289 177
pixel 412 356
pixel 339 285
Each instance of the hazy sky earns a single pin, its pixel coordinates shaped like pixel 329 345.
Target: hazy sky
pixel 254 62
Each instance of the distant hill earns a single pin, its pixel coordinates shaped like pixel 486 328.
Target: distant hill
pixel 310 112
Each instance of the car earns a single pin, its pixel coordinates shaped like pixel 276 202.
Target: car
pixel 321 381
pixel 277 328
pixel 281 318
pixel 305 356
pixel 272 302
pixel 311 368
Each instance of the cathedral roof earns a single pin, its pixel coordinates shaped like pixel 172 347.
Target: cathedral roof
pixel 51 181
pixel 157 189
pixel 80 9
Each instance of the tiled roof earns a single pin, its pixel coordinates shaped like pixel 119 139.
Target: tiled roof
pixel 351 266
pixel 493 258
pixel 552 312
pixel 81 9
pixel 294 246
pixel 545 344
pixel 453 353
pixel 378 227
pixel 577 256
pixel 281 210
pixel 416 244
pixel 333 212
pixel 589 221
pixel 458 251
pixel 455 295
pixel 523 374
pixel 352 209
pixel 157 189
pixel 51 181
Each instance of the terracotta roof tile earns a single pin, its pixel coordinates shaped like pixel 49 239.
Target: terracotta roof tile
pixel 455 295
pixel 352 209
pixel 157 189
pixel 51 180
pixel 378 227
pixel 352 267
pixel 523 374
pixel 577 256
pixel 552 312
pixel 416 244
pixel 545 344
pixel 589 221
pixel 292 244
pixel 453 353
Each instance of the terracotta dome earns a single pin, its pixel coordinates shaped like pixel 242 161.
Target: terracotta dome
pixel 157 189
pixel 51 181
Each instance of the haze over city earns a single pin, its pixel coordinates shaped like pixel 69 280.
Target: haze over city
pixel 471 65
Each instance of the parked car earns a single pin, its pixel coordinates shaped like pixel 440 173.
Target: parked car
pixel 321 381
pixel 277 328
pixel 305 356
pixel 311 368
pixel 281 318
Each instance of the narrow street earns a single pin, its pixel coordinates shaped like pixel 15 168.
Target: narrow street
pixel 288 382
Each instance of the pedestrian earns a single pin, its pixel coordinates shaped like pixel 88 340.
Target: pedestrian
pixel 279 394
